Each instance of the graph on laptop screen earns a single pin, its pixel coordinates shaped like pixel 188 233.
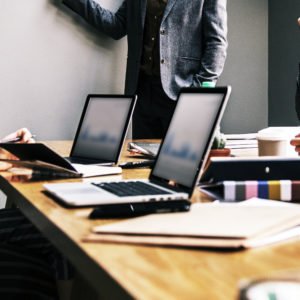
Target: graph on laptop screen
pixel 102 128
pixel 186 140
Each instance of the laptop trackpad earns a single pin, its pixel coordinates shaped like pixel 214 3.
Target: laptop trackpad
pixel 80 193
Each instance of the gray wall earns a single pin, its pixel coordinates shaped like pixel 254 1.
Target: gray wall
pixel 50 59
pixel 246 67
pixel 284 56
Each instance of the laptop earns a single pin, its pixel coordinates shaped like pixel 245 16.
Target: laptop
pixel 180 159
pixel 98 141
pixel 102 129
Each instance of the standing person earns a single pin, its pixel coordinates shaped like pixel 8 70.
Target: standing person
pixel 171 44
pixel 30 267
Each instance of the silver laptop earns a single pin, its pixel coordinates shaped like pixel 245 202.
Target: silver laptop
pixel 180 160
pixel 102 129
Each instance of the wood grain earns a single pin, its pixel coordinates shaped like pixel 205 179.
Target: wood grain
pixel 126 271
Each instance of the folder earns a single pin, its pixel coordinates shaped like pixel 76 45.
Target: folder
pixel 48 163
pixel 251 168
pixel 224 225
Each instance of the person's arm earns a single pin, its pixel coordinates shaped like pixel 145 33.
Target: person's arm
pixel 23 133
pixel 111 24
pixel 214 40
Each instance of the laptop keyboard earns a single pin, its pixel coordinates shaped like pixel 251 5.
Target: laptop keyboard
pixel 130 188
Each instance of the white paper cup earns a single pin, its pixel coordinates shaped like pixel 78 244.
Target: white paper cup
pixel 275 141
pixel 272 146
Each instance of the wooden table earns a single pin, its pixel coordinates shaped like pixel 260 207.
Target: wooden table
pixel 125 271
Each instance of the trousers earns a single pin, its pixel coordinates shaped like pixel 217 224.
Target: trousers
pixel 153 111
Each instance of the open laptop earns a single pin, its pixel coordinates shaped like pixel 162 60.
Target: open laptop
pixel 99 138
pixel 102 129
pixel 180 160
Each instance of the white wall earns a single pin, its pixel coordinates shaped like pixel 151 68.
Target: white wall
pixel 246 67
pixel 50 59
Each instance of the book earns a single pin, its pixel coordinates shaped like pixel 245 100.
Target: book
pixel 208 225
pixel 285 190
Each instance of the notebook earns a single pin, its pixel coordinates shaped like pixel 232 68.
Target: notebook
pixel 99 138
pixel 179 162
pixel 209 225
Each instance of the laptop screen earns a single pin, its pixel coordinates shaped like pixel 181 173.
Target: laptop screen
pixel 102 127
pixel 189 135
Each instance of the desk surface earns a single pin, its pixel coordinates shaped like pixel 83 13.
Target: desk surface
pixel 144 272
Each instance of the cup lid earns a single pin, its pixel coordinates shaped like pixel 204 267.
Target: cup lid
pixel 271 137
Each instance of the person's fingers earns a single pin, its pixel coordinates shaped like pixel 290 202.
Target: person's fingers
pixel 295 142
pixel 6 155
pixel 4 166
pixel 24 134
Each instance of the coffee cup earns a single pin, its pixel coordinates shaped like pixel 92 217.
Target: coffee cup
pixel 275 141
pixel 272 146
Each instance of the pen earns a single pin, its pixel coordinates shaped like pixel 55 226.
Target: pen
pixel 123 210
pixel 14 140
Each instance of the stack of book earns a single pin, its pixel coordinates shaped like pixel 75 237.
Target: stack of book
pixel 285 190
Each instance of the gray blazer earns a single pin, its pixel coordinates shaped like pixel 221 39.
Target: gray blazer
pixel 193 38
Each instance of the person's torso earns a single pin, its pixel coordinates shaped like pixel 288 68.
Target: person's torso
pixel 150 61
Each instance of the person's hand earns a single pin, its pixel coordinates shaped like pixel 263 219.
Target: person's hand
pixel 23 133
pixel 25 137
pixel 296 142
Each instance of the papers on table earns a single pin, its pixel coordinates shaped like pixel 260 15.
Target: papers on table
pixel 147 149
pixel 209 225
pixel 241 141
pixel 242 136
pixel 95 170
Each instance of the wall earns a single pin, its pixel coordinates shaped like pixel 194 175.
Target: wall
pixel 284 57
pixel 246 67
pixel 49 61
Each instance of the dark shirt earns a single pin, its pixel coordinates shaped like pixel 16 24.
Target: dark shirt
pixel 150 63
